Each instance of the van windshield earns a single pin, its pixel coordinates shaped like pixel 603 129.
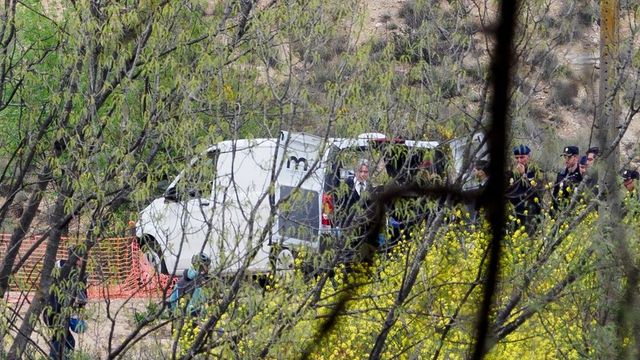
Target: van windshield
pixel 197 180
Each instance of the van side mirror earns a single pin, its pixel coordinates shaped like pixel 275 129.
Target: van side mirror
pixel 162 185
pixel 171 194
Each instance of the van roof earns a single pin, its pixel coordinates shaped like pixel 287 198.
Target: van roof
pixel 308 142
pixel 228 145
pixel 343 143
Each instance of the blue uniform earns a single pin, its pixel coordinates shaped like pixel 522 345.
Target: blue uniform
pixel 189 285
pixel 63 343
pixel 565 184
pixel 524 194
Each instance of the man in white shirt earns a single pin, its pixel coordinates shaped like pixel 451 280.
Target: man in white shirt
pixel 356 220
pixel 356 188
pixel 361 178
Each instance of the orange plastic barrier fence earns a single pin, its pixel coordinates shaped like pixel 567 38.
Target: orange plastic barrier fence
pixel 116 267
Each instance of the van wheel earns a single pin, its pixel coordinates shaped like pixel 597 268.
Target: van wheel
pixel 152 254
pixel 285 260
pixel 282 262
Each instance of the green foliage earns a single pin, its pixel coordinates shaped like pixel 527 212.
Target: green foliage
pixel 554 272
pixel 113 99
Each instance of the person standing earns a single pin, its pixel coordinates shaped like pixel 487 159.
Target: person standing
pixel 591 175
pixel 631 201
pixel 357 189
pixel 592 155
pixel 523 190
pixel 65 299
pixel 628 180
pixel 358 185
pixel 355 220
pixel 583 165
pixel 481 175
pixel 190 285
pixel 568 179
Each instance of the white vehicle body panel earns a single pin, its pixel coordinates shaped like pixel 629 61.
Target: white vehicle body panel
pixel 229 224
pixel 235 220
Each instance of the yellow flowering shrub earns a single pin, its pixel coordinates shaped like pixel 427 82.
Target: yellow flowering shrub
pixel 286 318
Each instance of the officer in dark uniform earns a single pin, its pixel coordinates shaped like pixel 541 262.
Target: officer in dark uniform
pixel 568 179
pixel 582 165
pixel 68 295
pixel 588 173
pixel 631 202
pixel 523 190
pixel 628 177
pixel 481 175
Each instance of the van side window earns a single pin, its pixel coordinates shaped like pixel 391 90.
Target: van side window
pixel 299 213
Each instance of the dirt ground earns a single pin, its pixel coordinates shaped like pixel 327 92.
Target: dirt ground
pixel 116 321
pixel 113 320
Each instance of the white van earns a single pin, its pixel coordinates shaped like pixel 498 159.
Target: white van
pixel 243 197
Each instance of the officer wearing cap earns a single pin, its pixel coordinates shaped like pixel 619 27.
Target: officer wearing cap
pixel 524 187
pixel 630 202
pixel 569 178
pixel 481 172
pixel 628 177
pixel 582 165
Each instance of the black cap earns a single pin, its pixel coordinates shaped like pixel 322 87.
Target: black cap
pixel 630 174
pixel 482 165
pixel 571 150
pixel 521 150
pixel 594 150
pixel 583 160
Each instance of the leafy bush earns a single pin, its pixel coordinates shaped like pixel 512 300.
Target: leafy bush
pixel 551 274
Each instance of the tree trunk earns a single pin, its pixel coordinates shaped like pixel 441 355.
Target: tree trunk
pixel 610 212
pixel 39 301
pixel 20 231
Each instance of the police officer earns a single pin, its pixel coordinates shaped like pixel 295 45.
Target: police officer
pixel 481 175
pixel 523 190
pixel 567 179
pixel 587 172
pixel 631 201
pixel 583 165
pixel 68 295
pixel 628 177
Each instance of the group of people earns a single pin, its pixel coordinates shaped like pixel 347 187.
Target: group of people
pixel 525 190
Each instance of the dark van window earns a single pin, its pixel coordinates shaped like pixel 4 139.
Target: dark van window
pixel 197 180
pixel 299 216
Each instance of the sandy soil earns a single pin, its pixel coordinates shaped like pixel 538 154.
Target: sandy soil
pixel 116 321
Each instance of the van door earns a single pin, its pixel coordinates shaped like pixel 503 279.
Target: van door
pixel 188 204
pixel 299 187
